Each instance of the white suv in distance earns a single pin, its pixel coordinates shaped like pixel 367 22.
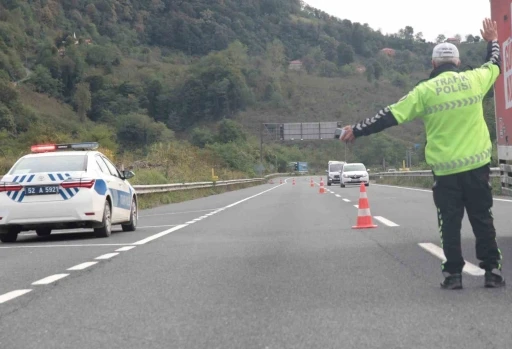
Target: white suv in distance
pixel 354 173
pixel 333 171
pixel 65 186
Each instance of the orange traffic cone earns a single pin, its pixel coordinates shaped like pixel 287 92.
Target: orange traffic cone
pixel 280 181
pixel 293 182
pixel 312 184
pixel 322 189
pixel 364 216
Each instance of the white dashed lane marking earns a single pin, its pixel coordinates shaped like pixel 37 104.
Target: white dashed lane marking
pixel 346 200
pixel 107 256
pixel 83 266
pixel 386 221
pixel 50 279
pixel 11 295
pixel 437 251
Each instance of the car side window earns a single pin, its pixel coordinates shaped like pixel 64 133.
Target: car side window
pixel 111 167
pixel 101 164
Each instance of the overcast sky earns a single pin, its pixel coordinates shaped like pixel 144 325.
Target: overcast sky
pixel 433 17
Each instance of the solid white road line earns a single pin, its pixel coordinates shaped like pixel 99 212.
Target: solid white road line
pixel 189 222
pixel 428 191
pixel 168 231
pixel 181 212
pixel 83 265
pixel 159 235
pixel 11 295
pixel 107 256
pixel 50 279
pixel 126 248
pixel 437 251
pixel 46 246
pixel 346 200
pixel 386 221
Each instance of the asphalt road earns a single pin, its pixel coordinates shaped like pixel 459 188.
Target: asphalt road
pixel 272 266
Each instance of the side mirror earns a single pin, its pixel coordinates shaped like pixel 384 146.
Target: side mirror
pixel 128 174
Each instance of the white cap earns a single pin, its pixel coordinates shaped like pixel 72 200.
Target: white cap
pixel 445 50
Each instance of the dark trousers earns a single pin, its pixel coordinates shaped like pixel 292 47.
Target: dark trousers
pixel 471 190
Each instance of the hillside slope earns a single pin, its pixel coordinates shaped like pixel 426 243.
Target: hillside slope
pixel 137 75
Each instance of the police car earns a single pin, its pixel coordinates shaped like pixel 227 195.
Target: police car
pixel 65 186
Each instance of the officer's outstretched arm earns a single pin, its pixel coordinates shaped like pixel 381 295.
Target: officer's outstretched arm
pixel 406 109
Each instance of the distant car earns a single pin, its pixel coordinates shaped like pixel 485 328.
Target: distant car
pixel 354 173
pixel 333 171
pixel 65 186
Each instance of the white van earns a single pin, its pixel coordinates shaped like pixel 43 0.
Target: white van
pixel 333 171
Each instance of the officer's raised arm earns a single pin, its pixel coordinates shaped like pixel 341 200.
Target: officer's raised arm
pixel 491 69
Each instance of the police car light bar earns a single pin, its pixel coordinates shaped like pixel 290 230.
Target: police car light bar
pixel 44 148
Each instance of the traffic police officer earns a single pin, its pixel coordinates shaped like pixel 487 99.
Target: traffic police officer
pixel 458 150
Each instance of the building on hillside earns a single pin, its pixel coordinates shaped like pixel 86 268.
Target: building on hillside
pixel 388 51
pixel 295 65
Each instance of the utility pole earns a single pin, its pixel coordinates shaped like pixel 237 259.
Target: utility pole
pixel 261 144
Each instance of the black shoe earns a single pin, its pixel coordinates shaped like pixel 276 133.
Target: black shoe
pixel 452 282
pixel 493 279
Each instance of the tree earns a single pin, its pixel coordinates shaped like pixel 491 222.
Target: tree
pixel 458 37
pixel 419 37
pixel 470 38
pixel 378 70
pixel 440 38
pixel 345 54
pixel 406 33
pixel 82 100
pixel 477 38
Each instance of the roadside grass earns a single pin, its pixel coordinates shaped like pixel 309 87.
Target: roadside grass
pixel 156 199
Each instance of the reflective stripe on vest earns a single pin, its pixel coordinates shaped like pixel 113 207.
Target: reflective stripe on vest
pixel 463 102
pixel 469 160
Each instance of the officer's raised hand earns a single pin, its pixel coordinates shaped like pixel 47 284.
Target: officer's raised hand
pixel 490 30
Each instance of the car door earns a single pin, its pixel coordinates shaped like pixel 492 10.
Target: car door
pixel 118 190
pixel 121 194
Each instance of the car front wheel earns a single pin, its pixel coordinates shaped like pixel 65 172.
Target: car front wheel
pixel 132 225
pixel 9 234
pixel 106 228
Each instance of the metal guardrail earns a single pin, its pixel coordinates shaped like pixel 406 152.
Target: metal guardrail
pixel 495 172
pixel 163 188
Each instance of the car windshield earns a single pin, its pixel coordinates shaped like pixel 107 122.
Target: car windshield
pixel 335 167
pixel 354 167
pixel 58 163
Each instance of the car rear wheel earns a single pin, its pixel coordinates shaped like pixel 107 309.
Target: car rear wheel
pixel 106 229
pixel 132 225
pixel 43 231
pixel 9 234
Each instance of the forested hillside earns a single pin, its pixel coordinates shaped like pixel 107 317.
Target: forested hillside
pixel 185 84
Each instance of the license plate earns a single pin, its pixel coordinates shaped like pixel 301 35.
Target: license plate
pixel 42 190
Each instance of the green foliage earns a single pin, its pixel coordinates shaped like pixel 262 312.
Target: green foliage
pixel 139 72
